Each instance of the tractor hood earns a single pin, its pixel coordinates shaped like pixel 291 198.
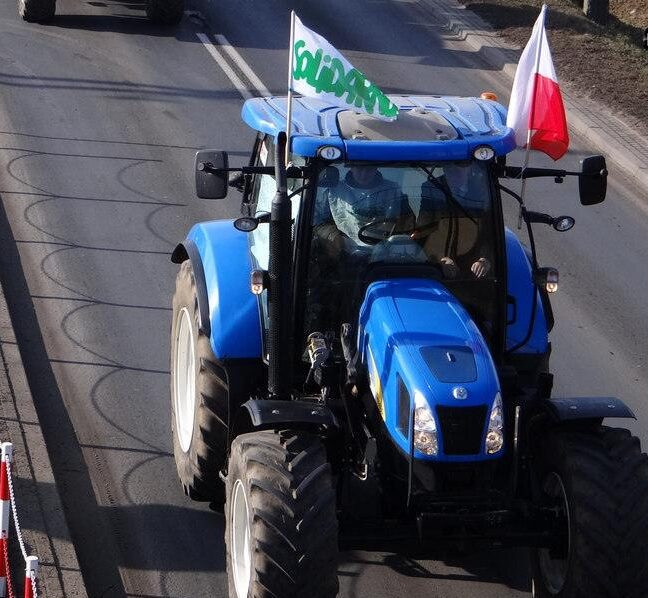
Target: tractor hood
pixel 420 346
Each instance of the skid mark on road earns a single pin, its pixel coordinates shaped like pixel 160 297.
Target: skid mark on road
pixel 97 199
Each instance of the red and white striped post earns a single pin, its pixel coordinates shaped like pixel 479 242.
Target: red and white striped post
pixel 5 511
pixel 31 571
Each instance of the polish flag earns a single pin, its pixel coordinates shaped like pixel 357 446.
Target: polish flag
pixel 536 104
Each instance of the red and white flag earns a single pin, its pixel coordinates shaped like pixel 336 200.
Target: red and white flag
pixel 536 103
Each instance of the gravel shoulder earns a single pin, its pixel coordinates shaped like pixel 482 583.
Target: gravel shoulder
pixel 605 64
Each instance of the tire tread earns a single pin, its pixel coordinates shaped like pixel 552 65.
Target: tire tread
pixel 294 523
pixel 199 469
pixel 608 477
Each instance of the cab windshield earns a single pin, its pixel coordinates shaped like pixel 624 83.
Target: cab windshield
pixel 432 219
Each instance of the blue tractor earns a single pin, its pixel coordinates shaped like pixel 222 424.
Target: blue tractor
pixel 362 359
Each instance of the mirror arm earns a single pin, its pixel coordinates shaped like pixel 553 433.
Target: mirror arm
pixel 298 191
pixel 511 193
pixel 294 172
pixel 539 217
pixel 517 172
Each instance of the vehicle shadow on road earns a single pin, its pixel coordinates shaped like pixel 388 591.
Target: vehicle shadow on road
pixel 168 524
pixel 499 567
pixel 123 90
pixel 136 524
pixel 123 16
pixel 68 463
pixel 396 32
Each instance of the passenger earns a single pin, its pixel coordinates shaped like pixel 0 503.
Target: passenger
pixel 454 201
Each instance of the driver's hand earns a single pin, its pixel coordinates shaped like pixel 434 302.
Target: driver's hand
pixel 448 267
pixel 481 267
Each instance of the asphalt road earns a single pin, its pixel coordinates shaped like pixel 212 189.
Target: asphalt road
pixel 100 115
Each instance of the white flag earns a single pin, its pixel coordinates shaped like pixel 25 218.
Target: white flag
pixel 320 71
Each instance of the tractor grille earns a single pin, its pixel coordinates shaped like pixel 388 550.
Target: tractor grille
pixel 462 429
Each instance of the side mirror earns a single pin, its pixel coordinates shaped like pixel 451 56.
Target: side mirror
pixel 211 174
pixel 592 182
pixel 329 178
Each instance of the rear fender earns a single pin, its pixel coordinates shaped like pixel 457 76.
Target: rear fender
pixel 229 313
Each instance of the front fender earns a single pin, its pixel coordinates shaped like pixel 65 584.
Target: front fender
pixel 262 414
pixel 579 408
pixel 229 312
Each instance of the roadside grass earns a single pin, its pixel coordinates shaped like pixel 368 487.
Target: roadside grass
pixel 607 64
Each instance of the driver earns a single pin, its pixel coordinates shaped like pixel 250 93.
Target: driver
pixel 453 194
pixel 364 196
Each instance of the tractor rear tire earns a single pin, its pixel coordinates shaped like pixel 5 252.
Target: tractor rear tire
pixel 37 11
pixel 198 388
pixel 599 477
pixel 165 12
pixel 281 525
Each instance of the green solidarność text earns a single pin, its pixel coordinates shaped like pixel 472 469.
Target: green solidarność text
pixel 326 75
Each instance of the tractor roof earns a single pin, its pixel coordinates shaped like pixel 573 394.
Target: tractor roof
pixel 428 128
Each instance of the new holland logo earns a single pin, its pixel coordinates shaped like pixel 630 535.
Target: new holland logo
pixel 460 393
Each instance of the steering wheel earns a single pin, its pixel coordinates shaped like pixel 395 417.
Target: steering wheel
pixel 377 236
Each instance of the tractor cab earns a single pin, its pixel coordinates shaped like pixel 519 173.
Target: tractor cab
pixel 413 198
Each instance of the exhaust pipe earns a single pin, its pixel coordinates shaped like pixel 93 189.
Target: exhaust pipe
pixel 280 354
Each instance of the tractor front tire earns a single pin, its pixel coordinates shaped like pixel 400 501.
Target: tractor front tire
pixel 198 388
pixel 165 12
pixel 281 525
pixel 599 478
pixel 37 11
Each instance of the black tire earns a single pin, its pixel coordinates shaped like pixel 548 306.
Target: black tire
pixel 288 487
pixel 37 11
pixel 165 12
pixel 605 479
pixel 199 466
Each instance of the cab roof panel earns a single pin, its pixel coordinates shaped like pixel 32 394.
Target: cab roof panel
pixel 456 127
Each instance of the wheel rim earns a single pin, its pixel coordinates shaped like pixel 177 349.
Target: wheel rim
pixel 240 538
pixel 185 379
pixel 554 570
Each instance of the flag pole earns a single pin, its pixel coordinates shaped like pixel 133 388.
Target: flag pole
pixel 291 64
pixel 528 141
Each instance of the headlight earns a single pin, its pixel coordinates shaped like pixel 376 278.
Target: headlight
pixel 495 434
pixel 425 428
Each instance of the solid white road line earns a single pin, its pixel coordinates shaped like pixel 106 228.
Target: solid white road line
pixel 244 66
pixel 227 69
